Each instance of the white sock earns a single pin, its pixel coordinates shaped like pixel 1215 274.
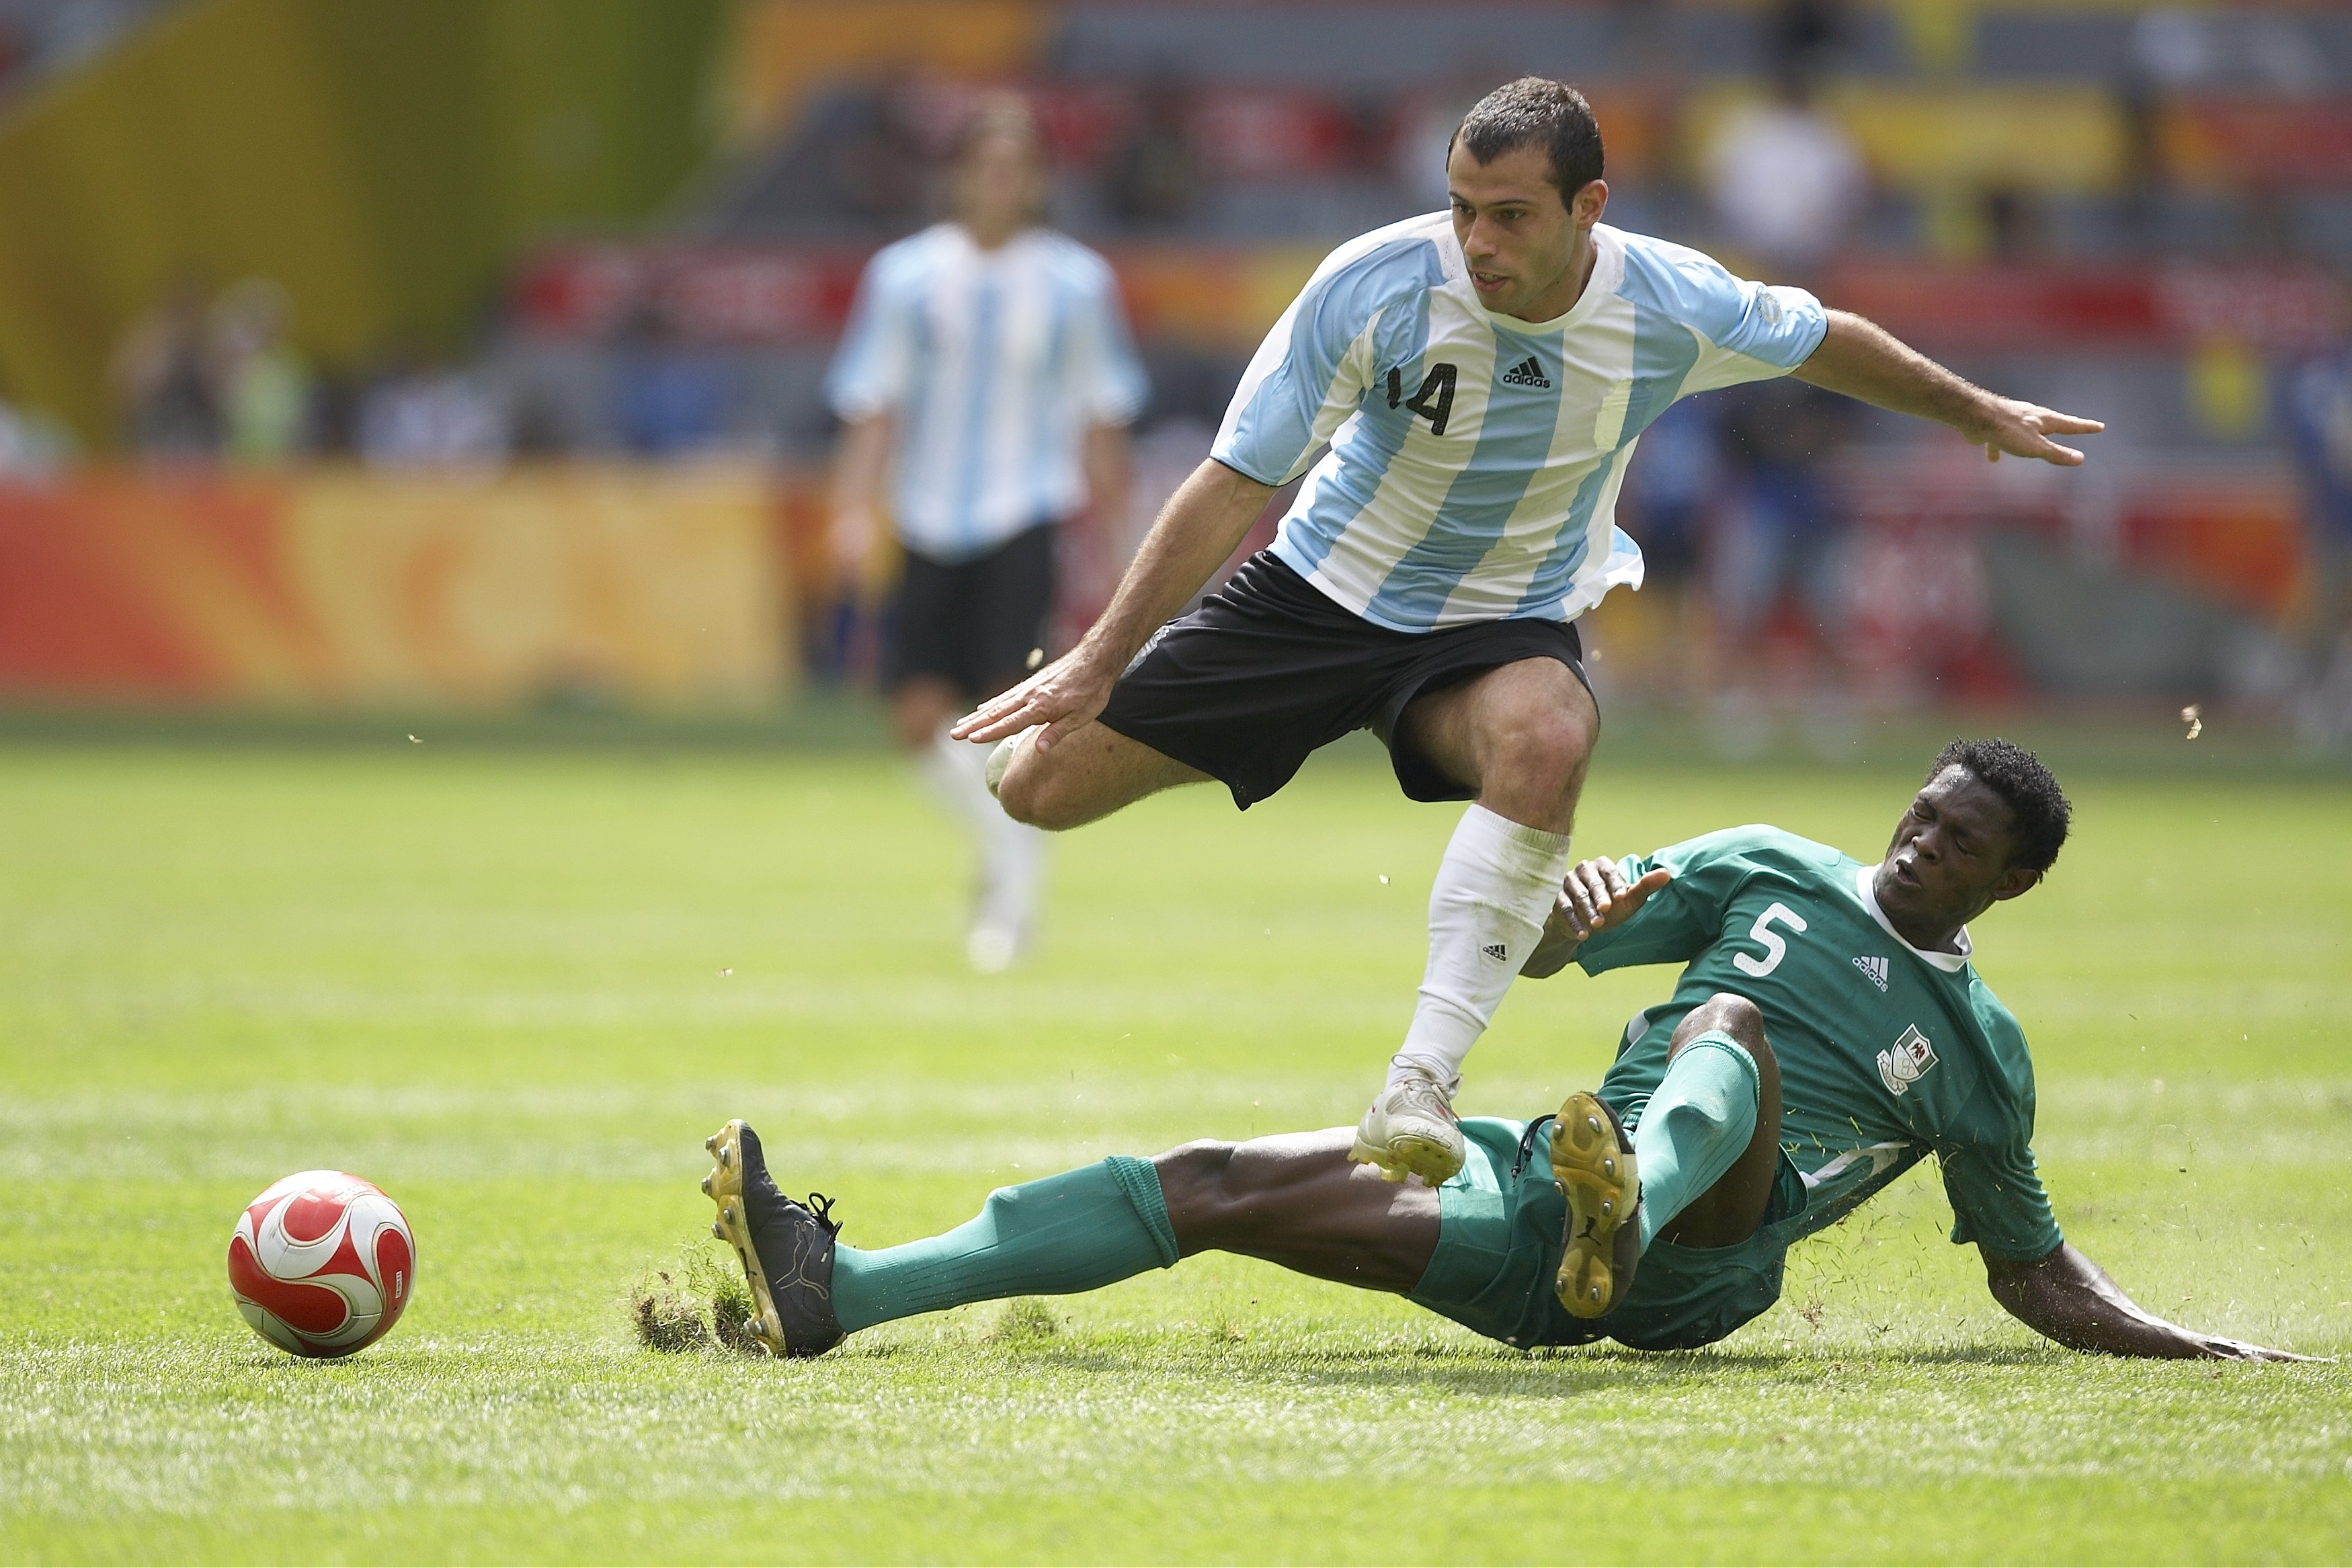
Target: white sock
pixel 1494 891
pixel 952 770
pixel 1012 854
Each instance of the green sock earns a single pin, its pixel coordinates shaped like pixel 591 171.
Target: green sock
pixel 1695 1127
pixel 1077 1231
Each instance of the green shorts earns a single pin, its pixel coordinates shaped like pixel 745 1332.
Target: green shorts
pixel 1498 1244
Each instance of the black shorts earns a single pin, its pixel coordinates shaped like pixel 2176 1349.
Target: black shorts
pixel 973 624
pixel 1268 669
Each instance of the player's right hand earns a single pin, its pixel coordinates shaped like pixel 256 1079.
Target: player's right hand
pixel 1064 696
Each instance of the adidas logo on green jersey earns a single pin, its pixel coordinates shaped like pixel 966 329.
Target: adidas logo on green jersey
pixel 1874 969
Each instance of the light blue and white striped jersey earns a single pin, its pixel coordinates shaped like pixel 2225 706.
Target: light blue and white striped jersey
pixel 995 362
pixel 1475 457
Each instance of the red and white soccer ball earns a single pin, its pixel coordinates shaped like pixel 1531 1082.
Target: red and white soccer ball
pixel 321 1263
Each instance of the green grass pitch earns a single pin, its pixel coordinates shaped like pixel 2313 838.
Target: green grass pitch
pixel 517 989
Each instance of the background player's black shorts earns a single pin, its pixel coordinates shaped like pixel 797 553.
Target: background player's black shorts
pixel 971 623
pixel 1268 669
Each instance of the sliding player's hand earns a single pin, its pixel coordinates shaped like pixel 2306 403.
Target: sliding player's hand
pixel 2221 1349
pixel 1064 696
pixel 1597 896
pixel 2024 429
pixel 1594 897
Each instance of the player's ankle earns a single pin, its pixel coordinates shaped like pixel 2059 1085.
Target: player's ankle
pixel 1413 1068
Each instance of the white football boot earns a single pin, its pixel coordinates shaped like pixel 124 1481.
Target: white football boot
pixel 1410 1130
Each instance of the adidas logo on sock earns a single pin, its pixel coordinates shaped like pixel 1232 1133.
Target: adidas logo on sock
pixel 1526 374
pixel 1495 951
pixel 1874 969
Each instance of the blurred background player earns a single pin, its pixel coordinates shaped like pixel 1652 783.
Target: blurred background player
pixel 987 368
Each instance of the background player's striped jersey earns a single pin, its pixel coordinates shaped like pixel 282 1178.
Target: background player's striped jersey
pixel 1475 457
pixel 995 362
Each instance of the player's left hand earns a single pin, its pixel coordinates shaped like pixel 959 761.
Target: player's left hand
pixel 2024 430
pixel 1597 896
pixel 1064 696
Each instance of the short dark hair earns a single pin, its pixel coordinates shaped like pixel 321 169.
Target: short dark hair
pixel 1536 111
pixel 2039 808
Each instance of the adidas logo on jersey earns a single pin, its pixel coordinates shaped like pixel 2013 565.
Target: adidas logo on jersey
pixel 1874 969
pixel 1526 373
pixel 1497 951
pixel 1902 1064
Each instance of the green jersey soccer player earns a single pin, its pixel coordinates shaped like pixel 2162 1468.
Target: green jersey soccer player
pixel 1828 1032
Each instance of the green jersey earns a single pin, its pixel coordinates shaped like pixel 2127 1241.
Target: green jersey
pixel 1888 1053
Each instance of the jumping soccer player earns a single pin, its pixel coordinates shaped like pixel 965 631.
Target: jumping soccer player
pixel 988 359
pixel 1828 1033
pixel 1481 378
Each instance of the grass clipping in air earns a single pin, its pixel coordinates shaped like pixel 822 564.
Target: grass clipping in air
pixel 698 1304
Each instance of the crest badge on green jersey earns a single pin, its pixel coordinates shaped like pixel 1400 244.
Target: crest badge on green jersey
pixel 1902 1064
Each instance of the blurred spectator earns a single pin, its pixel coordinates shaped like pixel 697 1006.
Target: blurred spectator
pixel 1775 546
pixel 1154 178
pixel 2013 223
pixel 669 397
pixel 33 444
pixel 263 385
pixel 2178 47
pixel 1671 486
pixel 1785 179
pixel 416 418
pixel 1805 35
pixel 2319 420
pixel 162 385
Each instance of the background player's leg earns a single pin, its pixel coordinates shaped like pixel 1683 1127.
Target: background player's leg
pixel 1089 774
pixel 1708 1146
pixel 1012 857
pixel 1520 736
pixel 1296 1200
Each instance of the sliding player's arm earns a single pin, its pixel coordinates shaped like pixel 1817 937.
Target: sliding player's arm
pixel 2067 1297
pixel 1861 360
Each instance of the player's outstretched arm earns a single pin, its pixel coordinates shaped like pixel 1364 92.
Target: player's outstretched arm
pixel 1863 360
pixel 1208 516
pixel 2067 1297
pixel 1595 898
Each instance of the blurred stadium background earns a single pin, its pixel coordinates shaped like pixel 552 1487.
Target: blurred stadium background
pixel 464 356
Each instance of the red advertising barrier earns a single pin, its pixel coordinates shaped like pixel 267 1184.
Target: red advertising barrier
pixel 345 588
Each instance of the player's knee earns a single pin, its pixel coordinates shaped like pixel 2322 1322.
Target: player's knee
pixel 1547 749
pixel 1030 793
pixel 1728 1013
